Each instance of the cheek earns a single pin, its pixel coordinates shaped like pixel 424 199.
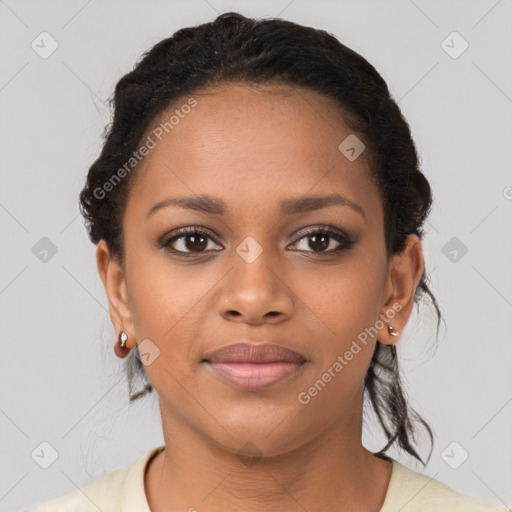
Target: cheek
pixel 342 302
pixel 172 306
pixel 163 297
pixel 343 345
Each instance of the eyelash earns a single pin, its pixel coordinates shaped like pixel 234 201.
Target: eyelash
pixel 345 242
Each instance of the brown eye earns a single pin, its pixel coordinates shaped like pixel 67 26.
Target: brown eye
pixel 323 241
pixel 190 241
pixel 319 242
pixel 195 243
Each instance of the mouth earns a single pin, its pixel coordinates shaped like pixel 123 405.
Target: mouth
pixel 253 367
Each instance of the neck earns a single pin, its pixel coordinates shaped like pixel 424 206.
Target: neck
pixel 330 472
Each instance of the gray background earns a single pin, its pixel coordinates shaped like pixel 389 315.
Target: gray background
pixel 61 382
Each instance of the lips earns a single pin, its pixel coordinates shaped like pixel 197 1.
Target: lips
pixel 244 352
pixel 254 367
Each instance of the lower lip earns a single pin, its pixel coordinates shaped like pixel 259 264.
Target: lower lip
pixel 254 376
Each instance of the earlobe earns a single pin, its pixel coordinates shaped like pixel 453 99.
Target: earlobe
pixel 404 275
pixel 113 279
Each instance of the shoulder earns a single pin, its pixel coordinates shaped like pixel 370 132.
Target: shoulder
pixel 108 493
pixel 412 491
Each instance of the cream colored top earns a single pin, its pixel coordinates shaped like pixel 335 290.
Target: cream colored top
pixel 123 491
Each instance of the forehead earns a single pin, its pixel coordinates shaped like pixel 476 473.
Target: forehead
pixel 251 145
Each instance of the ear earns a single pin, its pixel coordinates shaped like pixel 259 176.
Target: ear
pixel 112 275
pixel 404 274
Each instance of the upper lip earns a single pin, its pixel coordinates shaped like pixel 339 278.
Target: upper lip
pixel 244 352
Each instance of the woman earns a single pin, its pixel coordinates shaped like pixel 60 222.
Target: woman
pixel 258 208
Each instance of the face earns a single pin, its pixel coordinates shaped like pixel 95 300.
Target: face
pixel 256 264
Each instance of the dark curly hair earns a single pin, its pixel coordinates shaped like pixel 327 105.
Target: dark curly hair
pixel 234 49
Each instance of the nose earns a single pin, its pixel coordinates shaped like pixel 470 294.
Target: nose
pixel 256 293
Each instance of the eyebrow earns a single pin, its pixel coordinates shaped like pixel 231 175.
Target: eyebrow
pixel 215 205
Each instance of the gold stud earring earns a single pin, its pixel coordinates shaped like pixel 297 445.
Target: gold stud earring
pixel 122 339
pixel 120 347
pixel 392 331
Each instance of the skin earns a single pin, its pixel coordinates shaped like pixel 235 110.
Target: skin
pixel 254 147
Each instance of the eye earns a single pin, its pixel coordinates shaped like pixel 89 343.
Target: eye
pixel 188 241
pixel 320 239
pixel 192 241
